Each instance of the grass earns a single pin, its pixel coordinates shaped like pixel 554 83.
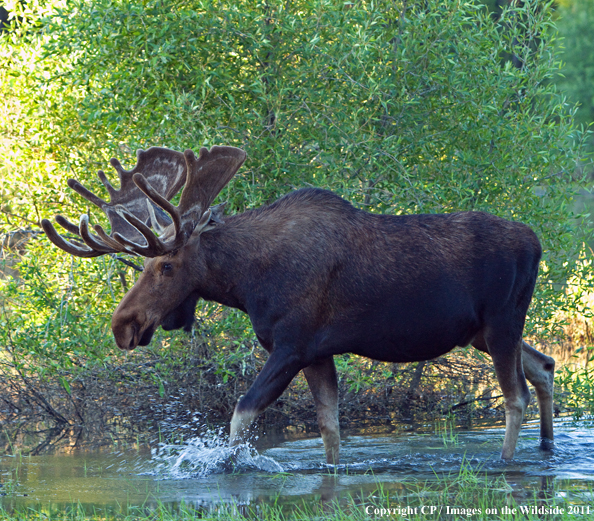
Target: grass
pixel 446 429
pixel 469 494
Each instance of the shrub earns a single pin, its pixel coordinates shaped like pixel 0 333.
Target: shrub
pixel 400 107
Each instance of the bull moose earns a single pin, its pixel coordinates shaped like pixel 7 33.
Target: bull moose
pixel 319 277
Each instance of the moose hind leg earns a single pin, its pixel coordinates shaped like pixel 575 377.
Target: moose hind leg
pixel 540 372
pixel 277 373
pixel 507 359
pixel 323 383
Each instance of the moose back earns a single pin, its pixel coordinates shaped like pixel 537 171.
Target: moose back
pixel 319 277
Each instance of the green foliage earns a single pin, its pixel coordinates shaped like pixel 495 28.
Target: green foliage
pixel 575 389
pixel 399 107
pixel 57 312
pixel 576 19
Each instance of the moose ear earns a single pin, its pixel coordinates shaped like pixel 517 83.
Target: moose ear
pixel 210 218
pixel 218 212
pixel 207 175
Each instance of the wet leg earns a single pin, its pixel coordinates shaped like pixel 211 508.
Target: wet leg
pixel 507 359
pixel 323 383
pixel 276 375
pixel 540 372
pixel 539 369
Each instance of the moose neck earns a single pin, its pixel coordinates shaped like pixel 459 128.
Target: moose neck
pixel 228 257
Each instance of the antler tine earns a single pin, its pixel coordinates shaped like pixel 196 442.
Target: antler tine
pixel 126 175
pixel 92 241
pixel 155 247
pixel 108 186
pixel 77 249
pixel 110 241
pixel 82 230
pixel 87 194
pixel 95 246
pixel 67 225
pixel 159 200
pixel 155 224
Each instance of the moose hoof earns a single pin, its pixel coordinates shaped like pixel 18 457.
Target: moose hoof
pixel 546 444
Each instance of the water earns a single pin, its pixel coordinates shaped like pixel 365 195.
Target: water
pixel 201 473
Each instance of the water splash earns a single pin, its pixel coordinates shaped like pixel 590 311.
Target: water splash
pixel 208 453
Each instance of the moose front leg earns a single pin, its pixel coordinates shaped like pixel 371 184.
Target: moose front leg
pixel 507 359
pixel 323 383
pixel 276 375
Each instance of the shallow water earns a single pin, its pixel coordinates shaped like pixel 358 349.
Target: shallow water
pixel 199 472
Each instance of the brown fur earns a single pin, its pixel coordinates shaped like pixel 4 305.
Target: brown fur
pixel 319 277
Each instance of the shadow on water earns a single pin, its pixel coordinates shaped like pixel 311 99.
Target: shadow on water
pixel 204 472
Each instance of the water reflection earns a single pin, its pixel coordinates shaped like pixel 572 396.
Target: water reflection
pixel 198 472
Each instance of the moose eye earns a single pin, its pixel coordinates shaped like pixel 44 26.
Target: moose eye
pixel 166 269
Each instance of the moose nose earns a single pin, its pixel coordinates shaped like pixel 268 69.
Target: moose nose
pixel 126 331
pixel 126 337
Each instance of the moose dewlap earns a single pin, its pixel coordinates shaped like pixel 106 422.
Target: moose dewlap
pixel 317 278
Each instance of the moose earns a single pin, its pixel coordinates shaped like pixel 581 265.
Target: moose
pixel 319 277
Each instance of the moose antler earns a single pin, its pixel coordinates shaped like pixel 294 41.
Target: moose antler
pixel 132 207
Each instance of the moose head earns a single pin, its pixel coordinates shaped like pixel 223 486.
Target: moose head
pixel 142 202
